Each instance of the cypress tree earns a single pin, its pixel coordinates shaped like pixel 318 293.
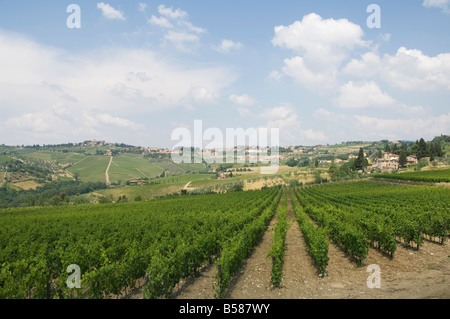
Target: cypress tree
pixel 422 150
pixel 359 162
pixel 403 160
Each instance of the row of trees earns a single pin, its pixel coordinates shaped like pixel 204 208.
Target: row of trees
pixel 48 194
pixel 420 149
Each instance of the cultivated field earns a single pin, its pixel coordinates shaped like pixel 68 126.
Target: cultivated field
pixel 125 168
pixel 172 247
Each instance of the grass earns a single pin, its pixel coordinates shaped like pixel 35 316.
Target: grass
pixel 183 179
pixel 5 159
pixel 164 186
pixel 147 192
pixel 26 185
pixel 63 158
pixel 432 175
pixel 125 168
pixel 91 169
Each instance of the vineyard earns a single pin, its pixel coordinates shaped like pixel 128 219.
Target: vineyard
pixel 163 241
pixel 116 244
pixel 360 215
pixel 434 176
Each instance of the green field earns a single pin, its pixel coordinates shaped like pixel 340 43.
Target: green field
pixel 5 159
pixel 433 175
pixel 116 244
pixel 158 187
pixel 169 239
pixel 358 215
pixel 91 169
pixel 125 168
pixel 63 158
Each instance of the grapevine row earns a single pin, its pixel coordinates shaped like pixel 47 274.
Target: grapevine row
pixel 235 251
pixel 115 244
pixel 278 245
pixel 315 237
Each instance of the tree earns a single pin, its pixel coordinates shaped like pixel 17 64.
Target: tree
pixel 379 154
pixel 436 149
pixel 395 149
pixel 62 196
pixel 360 160
pixel 332 169
pixel 414 148
pixel 387 148
pixel 316 162
pixel 403 159
pixel 317 177
pixel 422 149
pixel 304 162
pixel 291 162
pixel 422 163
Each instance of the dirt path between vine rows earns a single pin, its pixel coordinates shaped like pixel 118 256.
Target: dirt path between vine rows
pixel 411 274
pixel 251 276
pixel 107 171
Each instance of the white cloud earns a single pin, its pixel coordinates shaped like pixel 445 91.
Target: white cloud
pixel 244 99
pixel 369 65
pixel 162 22
pixel 275 75
pixel 180 32
pixel 227 45
pixel 142 7
pixel 368 95
pixel 362 95
pixel 413 70
pixel 398 129
pixel 181 38
pixel 317 35
pixel 440 4
pixel 30 121
pixel 203 95
pixel 320 82
pixel 93 92
pixel 282 111
pixel 170 13
pixel 109 12
pixel 343 127
pixel 117 121
pixel 285 118
pixel 244 112
pixel 385 37
pixel 407 69
pixel 322 45
pixel 190 27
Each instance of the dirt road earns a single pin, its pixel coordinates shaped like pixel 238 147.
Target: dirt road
pixel 107 171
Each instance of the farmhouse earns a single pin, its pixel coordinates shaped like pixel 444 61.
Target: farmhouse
pixel 411 159
pixel 222 175
pixel 390 161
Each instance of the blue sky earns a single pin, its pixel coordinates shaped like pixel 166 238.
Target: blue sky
pixel 136 70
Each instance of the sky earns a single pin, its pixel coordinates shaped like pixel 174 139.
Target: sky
pixel 322 72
